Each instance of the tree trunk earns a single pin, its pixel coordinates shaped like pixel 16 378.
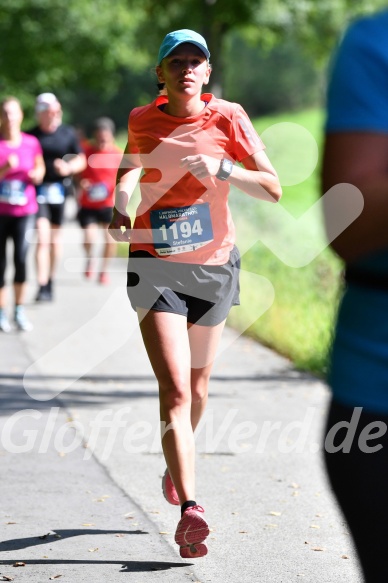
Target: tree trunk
pixel 214 31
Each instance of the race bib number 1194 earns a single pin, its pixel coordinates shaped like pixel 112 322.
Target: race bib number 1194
pixel 179 230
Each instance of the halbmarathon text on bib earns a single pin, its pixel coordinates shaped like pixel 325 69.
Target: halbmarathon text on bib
pixel 13 192
pixel 51 193
pixel 180 230
pixel 97 192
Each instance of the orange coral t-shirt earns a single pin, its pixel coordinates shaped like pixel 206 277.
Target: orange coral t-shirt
pixel 101 173
pixel 182 218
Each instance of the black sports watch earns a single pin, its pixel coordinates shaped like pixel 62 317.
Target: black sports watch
pixel 225 170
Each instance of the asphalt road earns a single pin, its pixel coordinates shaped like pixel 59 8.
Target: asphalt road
pixel 81 462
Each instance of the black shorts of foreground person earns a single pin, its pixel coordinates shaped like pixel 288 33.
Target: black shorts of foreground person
pixel 356 456
pixel 202 293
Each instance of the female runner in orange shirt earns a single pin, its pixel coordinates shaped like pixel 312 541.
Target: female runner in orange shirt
pixel 183 266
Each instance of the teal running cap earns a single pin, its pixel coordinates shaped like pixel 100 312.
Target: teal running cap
pixel 178 37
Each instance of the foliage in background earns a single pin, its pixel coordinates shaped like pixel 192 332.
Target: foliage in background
pixel 97 55
pixel 58 44
pixel 279 78
pixel 316 25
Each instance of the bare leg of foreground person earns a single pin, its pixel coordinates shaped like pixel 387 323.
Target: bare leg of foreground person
pixel 174 347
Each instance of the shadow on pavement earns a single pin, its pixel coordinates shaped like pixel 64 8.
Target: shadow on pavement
pixel 56 535
pixel 126 566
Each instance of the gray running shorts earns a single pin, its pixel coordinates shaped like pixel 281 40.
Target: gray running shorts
pixel 202 293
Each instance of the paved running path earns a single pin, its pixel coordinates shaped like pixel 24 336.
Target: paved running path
pixel 81 463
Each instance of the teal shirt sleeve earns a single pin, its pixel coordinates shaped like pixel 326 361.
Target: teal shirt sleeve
pixel 357 97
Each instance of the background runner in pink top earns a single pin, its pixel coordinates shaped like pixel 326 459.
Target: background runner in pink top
pixel 26 153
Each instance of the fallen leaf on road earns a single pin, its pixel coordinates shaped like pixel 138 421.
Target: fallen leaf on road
pixel 163 532
pixel 19 564
pixel 344 557
pixel 243 531
pixel 88 524
pixel 93 550
pixel 275 513
pixel 6 578
pixel 119 535
pixel 317 549
pixel 11 523
pixel 314 526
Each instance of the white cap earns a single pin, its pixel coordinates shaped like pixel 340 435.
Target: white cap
pixel 44 100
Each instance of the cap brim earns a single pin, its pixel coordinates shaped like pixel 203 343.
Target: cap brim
pixel 191 42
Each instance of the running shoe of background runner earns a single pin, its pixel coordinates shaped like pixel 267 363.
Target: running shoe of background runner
pixel 5 326
pixel 21 321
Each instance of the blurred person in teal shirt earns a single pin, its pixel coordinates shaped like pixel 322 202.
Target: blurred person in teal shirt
pixel 356 152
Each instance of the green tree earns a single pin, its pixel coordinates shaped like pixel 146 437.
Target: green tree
pixel 46 45
pixel 265 23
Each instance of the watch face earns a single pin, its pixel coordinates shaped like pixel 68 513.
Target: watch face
pixel 225 170
pixel 227 165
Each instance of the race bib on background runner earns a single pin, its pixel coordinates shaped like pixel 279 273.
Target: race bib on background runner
pixel 13 192
pixel 179 230
pixel 97 192
pixel 53 193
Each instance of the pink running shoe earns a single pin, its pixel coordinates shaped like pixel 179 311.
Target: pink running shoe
pixel 103 278
pixel 168 489
pixel 89 269
pixel 191 532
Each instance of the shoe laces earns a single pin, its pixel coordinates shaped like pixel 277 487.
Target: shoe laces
pixel 197 508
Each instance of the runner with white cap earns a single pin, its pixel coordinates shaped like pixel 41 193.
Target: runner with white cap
pixel 63 157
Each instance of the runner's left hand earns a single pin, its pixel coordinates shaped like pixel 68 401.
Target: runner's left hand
pixel 201 166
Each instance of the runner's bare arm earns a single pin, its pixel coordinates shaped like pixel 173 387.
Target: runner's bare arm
pixel 70 164
pixel 128 176
pixel 12 162
pixel 258 177
pixel 39 170
pixel 358 158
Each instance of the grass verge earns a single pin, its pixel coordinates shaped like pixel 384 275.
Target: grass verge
pixel 289 248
